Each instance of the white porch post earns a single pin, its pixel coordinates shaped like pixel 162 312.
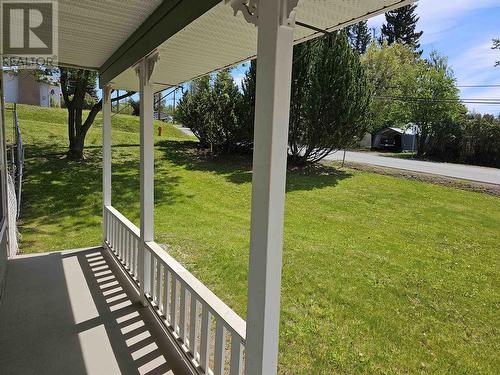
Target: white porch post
pixel 106 155
pixel 274 70
pixel 145 70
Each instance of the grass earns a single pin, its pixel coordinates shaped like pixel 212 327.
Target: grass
pixel 400 155
pixel 380 275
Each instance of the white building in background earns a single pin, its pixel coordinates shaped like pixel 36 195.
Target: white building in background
pixel 22 87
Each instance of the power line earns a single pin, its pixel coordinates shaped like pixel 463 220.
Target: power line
pixel 477 86
pixel 493 101
pixel 458 86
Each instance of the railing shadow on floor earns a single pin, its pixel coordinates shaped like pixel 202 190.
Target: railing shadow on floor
pixel 90 322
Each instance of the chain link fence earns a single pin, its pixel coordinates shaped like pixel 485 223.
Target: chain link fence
pixel 15 154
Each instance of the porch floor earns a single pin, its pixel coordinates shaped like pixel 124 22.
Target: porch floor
pixel 74 312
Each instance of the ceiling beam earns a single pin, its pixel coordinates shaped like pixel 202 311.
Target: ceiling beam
pixel 170 17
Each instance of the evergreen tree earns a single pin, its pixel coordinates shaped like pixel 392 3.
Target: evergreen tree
pixel 329 100
pixel 223 118
pixel 193 108
pixel 359 36
pixel 247 108
pixel 400 27
pixel 210 109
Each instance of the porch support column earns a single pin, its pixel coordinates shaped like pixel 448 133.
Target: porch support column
pixel 106 155
pixel 144 70
pixel 274 69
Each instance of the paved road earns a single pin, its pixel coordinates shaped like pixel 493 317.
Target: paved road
pixel 466 172
pixel 186 131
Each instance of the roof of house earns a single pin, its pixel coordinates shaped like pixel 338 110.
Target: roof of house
pixel 193 37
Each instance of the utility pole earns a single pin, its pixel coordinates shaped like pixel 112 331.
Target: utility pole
pixel 173 113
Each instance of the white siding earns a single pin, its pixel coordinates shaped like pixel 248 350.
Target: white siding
pixel 10 87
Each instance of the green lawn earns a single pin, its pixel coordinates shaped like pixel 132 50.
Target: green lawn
pixel 381 275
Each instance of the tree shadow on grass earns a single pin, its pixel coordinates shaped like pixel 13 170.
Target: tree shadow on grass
pixel 55 188
pixel 237 168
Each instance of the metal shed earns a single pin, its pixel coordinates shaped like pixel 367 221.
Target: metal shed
pixel 396 139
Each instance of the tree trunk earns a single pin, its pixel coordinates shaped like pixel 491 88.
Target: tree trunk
pixel 75 137
pixel 75 84
pixel 75 151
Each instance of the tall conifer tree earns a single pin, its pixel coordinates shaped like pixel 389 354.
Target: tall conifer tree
pixel 359 36
pixel 400 27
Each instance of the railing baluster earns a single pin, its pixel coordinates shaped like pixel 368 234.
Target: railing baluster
pixel 124 249
pixel 192 326
pixel 108 228
pixel 152 277
pixel 134 260
pixel 118 237
pixel 129 244
pixel 114 235
pixel 127 249
pixel 236 355
pixel 158 283
pixel 166 305
pixel 182 314
pixel 205 338
pixel 120 240
pixel 161 295
pixel 173 303
pixel 220 348
pixel 106 225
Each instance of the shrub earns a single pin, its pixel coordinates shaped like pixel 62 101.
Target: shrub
pixel 481 140
pixel 210 109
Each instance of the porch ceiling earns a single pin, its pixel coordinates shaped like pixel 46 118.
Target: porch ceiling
pixel 104 35
pixel 218 39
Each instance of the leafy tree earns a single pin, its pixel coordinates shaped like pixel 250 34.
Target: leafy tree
pixel 408 89
pixel 330 99
pixel 496 45
pixel 359 36
pixel 400 27
pixel 387 67
pixel 432 101
pixel 76 86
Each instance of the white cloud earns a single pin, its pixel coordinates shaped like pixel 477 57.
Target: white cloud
pixel 475 64
pixel 238 79
pixel 439 16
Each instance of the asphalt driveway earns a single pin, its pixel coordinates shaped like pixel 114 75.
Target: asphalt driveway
pixel 465 172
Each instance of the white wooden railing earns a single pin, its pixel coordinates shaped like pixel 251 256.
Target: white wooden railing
pixel 205 328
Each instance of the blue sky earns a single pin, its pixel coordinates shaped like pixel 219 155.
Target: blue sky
pixel 462 30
